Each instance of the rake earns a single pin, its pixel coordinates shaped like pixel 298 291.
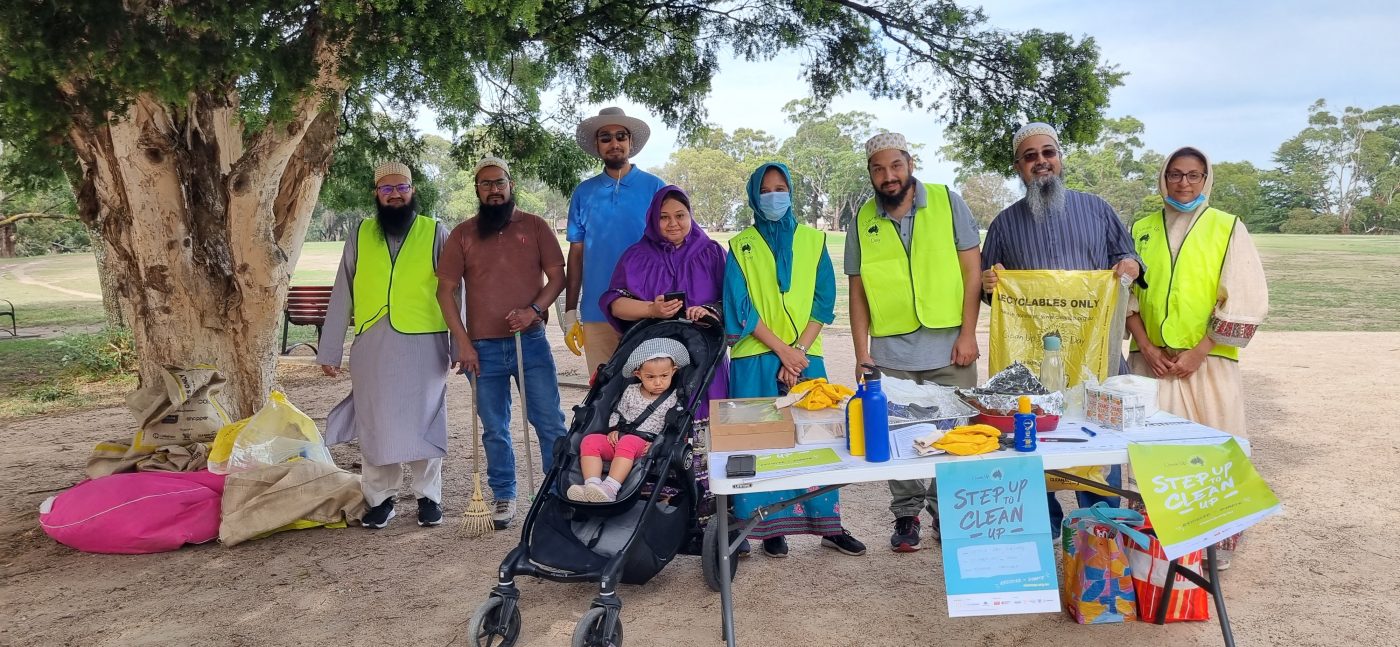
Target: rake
pixel 477 520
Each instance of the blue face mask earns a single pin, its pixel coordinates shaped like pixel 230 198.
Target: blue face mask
pixel 774 205
pixel 1187 207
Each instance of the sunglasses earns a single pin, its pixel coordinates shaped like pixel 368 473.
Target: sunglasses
pixel 1032 157
pixel 607 138
pixel 389 189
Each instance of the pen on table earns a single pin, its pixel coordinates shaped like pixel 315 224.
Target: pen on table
pixel 1088 431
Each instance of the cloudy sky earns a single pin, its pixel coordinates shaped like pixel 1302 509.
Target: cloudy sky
pixel 1233 77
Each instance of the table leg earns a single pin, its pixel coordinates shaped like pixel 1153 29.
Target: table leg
pixel 726 595
pixel 1219 597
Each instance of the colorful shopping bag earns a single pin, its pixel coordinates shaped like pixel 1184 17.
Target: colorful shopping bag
pixel 1096 584
pixel 1149 565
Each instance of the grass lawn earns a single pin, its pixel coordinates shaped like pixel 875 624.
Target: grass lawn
pixel 1321 283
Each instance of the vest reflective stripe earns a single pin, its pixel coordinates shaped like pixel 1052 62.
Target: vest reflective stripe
pixel 786 314
pixel 404 289
pixel 1176 309
pixel 921 287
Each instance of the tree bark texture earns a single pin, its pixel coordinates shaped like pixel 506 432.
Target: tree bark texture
pixel 201 229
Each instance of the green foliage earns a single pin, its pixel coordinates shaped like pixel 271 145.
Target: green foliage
pixel 715 182
pixel 1338 164
pixel 485 67
pixel 986 194
pixel 99 355
pixel 827 160
pixel 1236 190
pixel 1306 221
pixel 1115 167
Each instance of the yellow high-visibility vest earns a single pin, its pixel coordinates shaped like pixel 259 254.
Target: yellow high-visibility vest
pixel 1176 307
pixel 403 288
pixel 921 287
pixel 785 313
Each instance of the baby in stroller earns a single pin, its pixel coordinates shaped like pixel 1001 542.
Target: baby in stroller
pixel 639 416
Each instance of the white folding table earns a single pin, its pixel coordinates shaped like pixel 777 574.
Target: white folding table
pixel 1107 447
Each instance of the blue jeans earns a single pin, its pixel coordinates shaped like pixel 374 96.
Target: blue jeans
pixel 1085 499
pixel 493 396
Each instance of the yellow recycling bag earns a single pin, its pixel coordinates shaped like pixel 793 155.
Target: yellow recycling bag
pixel 1079 305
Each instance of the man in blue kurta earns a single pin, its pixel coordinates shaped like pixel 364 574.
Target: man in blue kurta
pixel 607 213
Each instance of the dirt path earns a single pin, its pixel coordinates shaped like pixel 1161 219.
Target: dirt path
pixel 1322 409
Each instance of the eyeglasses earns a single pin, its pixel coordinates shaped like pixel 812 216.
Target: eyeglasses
pixel 1032 157
pixel 1194 177
pixel 488 185
pixel 607 138
pixel 389 189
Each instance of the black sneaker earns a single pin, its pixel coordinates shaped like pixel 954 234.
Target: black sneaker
pixel 379 515
pixel 906 535
pixel 429 512
pixel 744 549
pixel 845 543
pixel 775 547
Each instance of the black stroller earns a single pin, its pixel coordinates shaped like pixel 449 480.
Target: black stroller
pixel 629 540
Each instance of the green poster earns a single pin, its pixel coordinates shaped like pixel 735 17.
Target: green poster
pixel 1197 495
pixel 797 460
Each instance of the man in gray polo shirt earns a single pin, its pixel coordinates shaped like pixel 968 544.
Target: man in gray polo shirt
pixel 913 305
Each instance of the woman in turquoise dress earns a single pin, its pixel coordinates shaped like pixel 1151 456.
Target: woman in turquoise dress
pixel 779 290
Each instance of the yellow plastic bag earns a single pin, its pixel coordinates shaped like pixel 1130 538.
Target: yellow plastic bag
pixel 1080 306
pixel 1095 473
pixel 277 433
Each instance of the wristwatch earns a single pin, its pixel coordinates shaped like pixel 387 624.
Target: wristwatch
pixel 538 312
pixel 798 345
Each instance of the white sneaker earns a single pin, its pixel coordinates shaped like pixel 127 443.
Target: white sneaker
pixel 598 493
pixel 504 514
pixel 577 493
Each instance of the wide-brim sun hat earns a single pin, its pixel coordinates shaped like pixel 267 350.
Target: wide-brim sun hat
pixel 587 132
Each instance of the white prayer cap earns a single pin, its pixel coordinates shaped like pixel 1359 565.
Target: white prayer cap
pixel 884 142
pixel 1030 130
pixel 392 168
pixel 491 160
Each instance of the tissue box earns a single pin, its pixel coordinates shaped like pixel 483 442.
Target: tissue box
pixel 1116 408
pixel 819 427
pixel 745 424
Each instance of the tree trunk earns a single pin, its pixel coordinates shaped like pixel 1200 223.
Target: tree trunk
pixel 111 283
pixel 200 236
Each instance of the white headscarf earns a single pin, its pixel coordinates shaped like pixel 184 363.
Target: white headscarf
pixel 1205 184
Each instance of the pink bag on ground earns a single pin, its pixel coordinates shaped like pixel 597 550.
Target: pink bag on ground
pixel 136 512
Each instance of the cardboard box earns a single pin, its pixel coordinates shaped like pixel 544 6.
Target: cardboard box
pixel 1117 409
pixel 820 427
pixel 745 424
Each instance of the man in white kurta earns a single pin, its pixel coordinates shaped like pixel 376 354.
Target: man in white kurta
pixel 397 407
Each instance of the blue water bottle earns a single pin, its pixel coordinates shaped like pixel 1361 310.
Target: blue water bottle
pixel 877 419
pixel 1025 426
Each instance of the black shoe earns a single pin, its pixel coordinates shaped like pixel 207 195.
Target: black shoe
pixel 845 543
pixel 379 515
pixel 906 535
pixel 429 512
pixel 745 549
pixel 775 547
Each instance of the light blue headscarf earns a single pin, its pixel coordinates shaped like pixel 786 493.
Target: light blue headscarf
pixel 778 234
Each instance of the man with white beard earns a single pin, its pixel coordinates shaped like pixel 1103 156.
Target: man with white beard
pixel 1055 228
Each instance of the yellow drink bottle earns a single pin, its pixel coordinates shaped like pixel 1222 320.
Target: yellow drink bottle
pixel 855 422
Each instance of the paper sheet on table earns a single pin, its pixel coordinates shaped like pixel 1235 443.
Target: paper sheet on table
pixel 902 439
pixel 768 463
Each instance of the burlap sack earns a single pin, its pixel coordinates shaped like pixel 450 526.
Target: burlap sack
pixel 179 410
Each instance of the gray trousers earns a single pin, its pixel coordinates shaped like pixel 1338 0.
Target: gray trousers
pixel 907 498
pixel 380 482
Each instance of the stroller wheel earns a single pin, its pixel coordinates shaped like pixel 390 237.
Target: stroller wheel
pixel 591 632
pixel 709 555
pixel 487 629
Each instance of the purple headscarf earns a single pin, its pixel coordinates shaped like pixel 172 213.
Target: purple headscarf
pixel 653 266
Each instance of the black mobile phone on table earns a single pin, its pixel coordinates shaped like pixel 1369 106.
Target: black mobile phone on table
pixel 740 466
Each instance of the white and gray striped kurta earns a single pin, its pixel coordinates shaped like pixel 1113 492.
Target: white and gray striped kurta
pixel 397 407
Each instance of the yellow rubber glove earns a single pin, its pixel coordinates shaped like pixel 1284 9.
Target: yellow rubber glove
pixel 574 338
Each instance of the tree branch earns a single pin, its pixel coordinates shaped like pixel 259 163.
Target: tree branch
pixel 34 215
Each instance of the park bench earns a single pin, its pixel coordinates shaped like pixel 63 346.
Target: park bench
pixel 306 306
pixel 8 310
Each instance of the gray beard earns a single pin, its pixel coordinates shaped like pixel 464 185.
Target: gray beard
pixel 1045 196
